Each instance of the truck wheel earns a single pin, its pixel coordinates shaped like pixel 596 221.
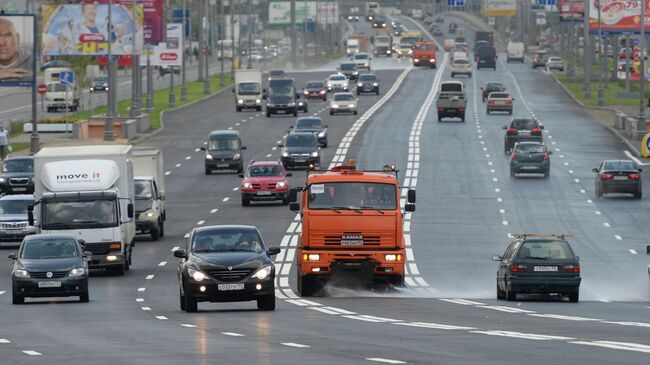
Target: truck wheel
pixel 190 304
pixel 84 297
pixel 155 233
pixel 238 109
pixel 161 228
pixel 266 303
pixel 245 202
pixel 17 299
pixel 306 286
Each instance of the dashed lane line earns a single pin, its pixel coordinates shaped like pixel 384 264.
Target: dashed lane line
pixel 385 361
pixel 233 334
pixel 32 353
pixel 296 345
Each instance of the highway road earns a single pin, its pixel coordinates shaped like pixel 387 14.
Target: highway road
pixel 447 313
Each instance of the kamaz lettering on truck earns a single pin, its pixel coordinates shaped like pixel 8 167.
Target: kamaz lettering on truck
pixel 351 222
pixel 87 191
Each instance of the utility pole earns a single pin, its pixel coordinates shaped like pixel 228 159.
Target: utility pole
pixel 231 5
pixel 588 55
pixel 601 89
pixel 206 80
pixel 641 122
pixel 109 134
pixel 250 33
pixel 294 45
pixel 184 39
pixel 222 38
pixel 200 48
pixel 135 65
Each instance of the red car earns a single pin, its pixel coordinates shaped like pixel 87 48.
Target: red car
pixel 315 90
pixel 265 181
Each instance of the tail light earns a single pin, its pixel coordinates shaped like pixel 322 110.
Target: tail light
pixel 536 131
pixel 490 102
pixel 606 176
pixel 518 268
pixel 306 92
pixel 461 109
pixel 509 102
pixel 635 176
pixel 514 155
pixel 322 91
pixel 572 268
pixel 512 131
pixel 502 89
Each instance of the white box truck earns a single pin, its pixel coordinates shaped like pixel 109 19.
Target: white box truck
pixel 248 90
pixel 352 46
pixel 58 95
pixel 515 52
pixel 87 191
pixel 149 194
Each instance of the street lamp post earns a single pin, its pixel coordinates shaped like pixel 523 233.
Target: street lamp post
pixel 135 65
pixel 206 79
pixel 641 130
pixel 109 134
pixel 183 80
pixel 222 38
pixel 250 33
pixel 588 54
pixel 601 89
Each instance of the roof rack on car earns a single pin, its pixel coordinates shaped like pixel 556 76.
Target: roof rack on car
pixel 541 235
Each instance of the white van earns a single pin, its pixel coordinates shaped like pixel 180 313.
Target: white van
pixel 515 51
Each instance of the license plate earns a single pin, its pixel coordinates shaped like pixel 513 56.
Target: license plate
pixel 230 287
pixel 222 165
pixel 281 111
pixel 545 268
pixel 263 193
pixel 529 167
pixel 300 160
pixel 19 189
pixel 49 284
pixel 351 242
pixel 524 133
pixel 620 177
pixel 451 110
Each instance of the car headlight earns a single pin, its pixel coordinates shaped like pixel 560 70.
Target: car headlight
pixel 236 156
pixel 375 84
pixel 78 271
pixel 388 51
pixel 2 179
pixel 329 85
pixel 410 51
pixel 314 154
pixel 393 257
pixel 263 273
pixel 321 134
pixel 355 73
pixel 291 104
pixel 247 185
pixel 359 84
pixel 196 274
pixel 148 214
pixel 208 157
pixel 240 101
pixel 335 106
pixel 21 273
pixel 281 184
pixel 311 257
pixel 285 154
pixel 257 101
pixel 351 105
pixel 416 60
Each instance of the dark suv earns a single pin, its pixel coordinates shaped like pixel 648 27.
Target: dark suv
pixel 349 69
pixel 17 175
pixel 530 157
pixel 522 129
pixel 618 176
pixel 223 151
pixel 300 149
pixel 314 125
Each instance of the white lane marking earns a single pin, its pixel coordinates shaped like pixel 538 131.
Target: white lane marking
pixel 196 149
pixel 235 188
pixel 162 318
pixel 139 300
pixel 274 148
pixel 167 173
pixel 225 199
pixel 324 310
pixel 462 301
pixel 583 191
pixel 527 336
pixel 505 223
pixel 149 277
pixel 590 201
pixel 233 334
pixel 214 210
pixel 568 318
pixel 618 237
pixel 626 346
pixel 175 248
pixel 4 340
pixel 188 325
pixel 598 212
pixel 145 308
pixel 385 361
pixel 188 157
pixel 633 252
pixel 506 309
pixel 200 223
pixel 187 235
pixel 633 324
pixel 268 155
pixel 360 318
pixel 142 289
pixel 2 292
pixel 340 310
pixel 636 160
pixel 308 302
pixel 293 344
pixel 606 224
pixel 435 326
pixel 178 165
pixel 32 353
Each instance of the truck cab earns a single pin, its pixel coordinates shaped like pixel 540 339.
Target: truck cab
pixel 351 222
pixel 149 193
pixel 58 95
pixel 424 54
pixel 248 90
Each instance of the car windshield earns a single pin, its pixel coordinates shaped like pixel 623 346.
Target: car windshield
pixel 555 59
pixel 424 47
pixel 494 85
pixel 337 78
pixel 56 88
pixel 101 80
pixel 352 195
pixel 314 85
pixel 619 166
pixel 348 66
pixel 249 88
pixel 49 249
pixel 361 57
pixel 15 206
pixel 276 73
pixel 71 214
pixel 223 144
pixel 461 62
pixel 367 78
pixel 227 241
pixel 309 123
pixel 301 140
pixel 405 46
pixel 499 95
pixel 343 97
pixel 530 148
pixel 18 165
pixel 143 189
pixel 264 170
pixel 545 250
pixel 526 124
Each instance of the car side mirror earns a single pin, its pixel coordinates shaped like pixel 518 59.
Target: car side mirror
pixel 541 126
pixel 12 256
pixel 504 127
pixel 272 251
pixel 640 169
pixel 294 207
pixel 497 258
pixel 595 170
pixel 289 174
pixel 202 148
pixel 243 148
pixel 550 152
pixel 241 175
pixel 410 208
pixel 411 196
pixel 181 254
pixel 129 210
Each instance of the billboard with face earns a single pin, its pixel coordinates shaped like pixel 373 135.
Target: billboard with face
pixel 16 50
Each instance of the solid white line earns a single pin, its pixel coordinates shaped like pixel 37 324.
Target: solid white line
pixel 162 263
pixel 633 252
pixel 340 310
pixel 4 340
pixel 188 325
pixel 233 334
pixel 462 301
pixel 162 318
pixel 385 361
pixel 507 309
pixel 142 289
pixel 527 336
pixel 568 318
pixel 225 199
pixel 214 210
pixel 149 277
pixel 360 318
pixel 323 310
pixel 435 326
pixel 616 345
pixel 293 344
pixel 32 353
pixel 636 160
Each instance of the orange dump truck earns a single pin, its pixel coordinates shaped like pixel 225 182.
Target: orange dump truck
pixel 351 222
pixel 424 54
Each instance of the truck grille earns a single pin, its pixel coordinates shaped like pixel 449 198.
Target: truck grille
pixel 100 248
pixel 19 181
pixel 230 275
pixel 43 274
pixel 13 225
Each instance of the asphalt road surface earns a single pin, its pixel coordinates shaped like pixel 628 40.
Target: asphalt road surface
pixel 447 313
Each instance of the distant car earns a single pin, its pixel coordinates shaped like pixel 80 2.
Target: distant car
pixel 314 125
pixel 491 86
pixel 100 84
pixel 499 102
pixel 368 83
pixel 539 60
pixel 458 54
pixel 343 103
pixel 223 151
pixel 522 129
pixel 618 176
pixel 300 149
pixel 353 18
pixel 461 46
pixel 461 66
pixel 49 265
pixel 530 157
pixel 226 264
pixel 538 265
pixel 477 45
pixel 555 63
pixel 404 50
pixel 362 60
pixel 17 175
pixel 166 70
pixel 350 70
pixel 302 106
pixel 264 181
pixel 315 90
pixel 437 32
pixel 14 222
pixel 337 82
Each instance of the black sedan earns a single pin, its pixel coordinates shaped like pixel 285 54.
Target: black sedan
pixel 17 175
pixel 618 176
pixel 100 84
pixel 538 264
pixel 349 69
pixel 300 149
pixel 49 265
pixel 226 264
pixel 522 129
pixel 368 83
pixel 539 60
pixel 491 86
pixel 314 125
pixel 530 157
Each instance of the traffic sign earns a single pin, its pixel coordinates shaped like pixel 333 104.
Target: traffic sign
pixel 66 77
pixel 42 89
pixel 645 146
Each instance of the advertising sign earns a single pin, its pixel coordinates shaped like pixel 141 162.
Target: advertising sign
pixel 571 10
pixel 617 16
pixel 154 21
pixel 17 50
pixel 168 53
pixel 500 8
pixel 280 12
pixel 327 12
pixel 177 17
pixel 82 30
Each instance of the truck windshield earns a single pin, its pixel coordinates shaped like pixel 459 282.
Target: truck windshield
pixel 352 195
pixel 424 47
pixel 53 88
pixel 14 206
pixel 410 40
pixel 143 189
pixel 64 214
pixel 281 87
pixel 223 144
pixel 249 88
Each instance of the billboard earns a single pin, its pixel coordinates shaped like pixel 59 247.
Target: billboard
pixel 154 21
pixel 280 12
pixel 571 10
pixel 617 16
pixel 17 50
pixel 327 12
pixel 500 8
pixel 169 53
pixel 82 30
